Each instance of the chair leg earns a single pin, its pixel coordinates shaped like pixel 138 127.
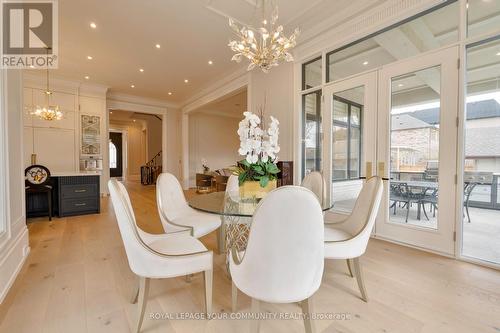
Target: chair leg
pixel 221 237
pixel 407 211
pixel 359 277
pixel 425 213
pixel 255 322
pixel 208 292
pixel 135 293
pixel 234 296
pixel 307 310
pixel 49 202
pixel 143 299
pixel 467 210
pixel 348 261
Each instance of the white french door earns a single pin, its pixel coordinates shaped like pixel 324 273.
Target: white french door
pixel 398 122
pixel 349 139
pixel 417 150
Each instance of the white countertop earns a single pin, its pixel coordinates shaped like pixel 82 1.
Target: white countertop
pixel 72 174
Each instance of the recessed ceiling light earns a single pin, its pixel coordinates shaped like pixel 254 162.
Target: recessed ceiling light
pixel 141 70
pixel 110 112
pixel 93 25
pixel 157 46
pixel 170 93
pixel 186 80
pixel 365 63
pixel 210 62
pixel 498 54
pixel 31 66
pixel 133 120
pixel 400 85
pixel 87 77
pixel 89 57
pixel 132 86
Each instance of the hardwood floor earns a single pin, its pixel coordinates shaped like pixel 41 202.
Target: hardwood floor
pixel 77 279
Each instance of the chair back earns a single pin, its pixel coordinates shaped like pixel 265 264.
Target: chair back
pixel 365 210
pixel 170 197
pixel 37 176
pixel 315 182
pixel 285 252
pixel 136 252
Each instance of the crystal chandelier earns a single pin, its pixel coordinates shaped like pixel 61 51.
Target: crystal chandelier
pixel 269 48
pixel 47 111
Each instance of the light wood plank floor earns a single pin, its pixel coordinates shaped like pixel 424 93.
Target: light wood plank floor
pixel 77 279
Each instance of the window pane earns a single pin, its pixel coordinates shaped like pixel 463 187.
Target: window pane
pixel 424 33
pixel 483 16
pixel 481 232
pixel 415 118
pixel 340 111
pixel 355 115
pixel 339 162
pixel 311 133
pixel 312 72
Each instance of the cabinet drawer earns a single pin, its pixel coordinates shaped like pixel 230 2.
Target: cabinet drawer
pixel 79 191
pixel 76 206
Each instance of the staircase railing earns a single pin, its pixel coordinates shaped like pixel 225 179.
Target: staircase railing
pixel 151 170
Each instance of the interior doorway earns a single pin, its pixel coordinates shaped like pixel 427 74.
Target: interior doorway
pixel 139 136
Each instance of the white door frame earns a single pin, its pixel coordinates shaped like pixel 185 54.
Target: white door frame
pixel 368 124
pixel 442 239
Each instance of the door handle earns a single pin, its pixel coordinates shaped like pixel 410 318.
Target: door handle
pixel 368 170
pixel 81 204
pixel 80 191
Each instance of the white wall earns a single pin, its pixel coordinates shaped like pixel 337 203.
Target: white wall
pixel 214 138
pixel 14 246
pixel 174 141
pixel 276 89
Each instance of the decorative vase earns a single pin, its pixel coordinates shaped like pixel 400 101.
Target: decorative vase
pixel 252 189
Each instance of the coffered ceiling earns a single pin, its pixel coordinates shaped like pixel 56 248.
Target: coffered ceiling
pixel 190 33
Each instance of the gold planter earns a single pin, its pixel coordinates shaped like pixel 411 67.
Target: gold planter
pixel 252 189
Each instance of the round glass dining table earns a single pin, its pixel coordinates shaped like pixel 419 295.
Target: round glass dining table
pixel 228 204
pixel 236 217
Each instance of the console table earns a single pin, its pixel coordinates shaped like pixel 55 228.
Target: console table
pixel 73 194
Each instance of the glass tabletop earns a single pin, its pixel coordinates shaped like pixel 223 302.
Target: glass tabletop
pixel 227 203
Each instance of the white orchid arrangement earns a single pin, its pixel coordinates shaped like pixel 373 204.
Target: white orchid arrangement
pixel 260 149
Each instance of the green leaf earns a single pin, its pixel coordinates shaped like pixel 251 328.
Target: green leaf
pixel 272 168
pixel 245 163
pixel 242 177
pixel 264 181
pixel 258 169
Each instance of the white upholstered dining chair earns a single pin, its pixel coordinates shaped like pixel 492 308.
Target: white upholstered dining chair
pixel 175 213
pixel 284 258
pixel 315 182
pixel 158 256
pixel 347 237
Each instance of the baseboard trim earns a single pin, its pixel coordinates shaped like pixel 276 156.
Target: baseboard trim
pixel 17 253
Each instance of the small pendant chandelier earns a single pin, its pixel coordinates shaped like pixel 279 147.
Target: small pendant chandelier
pixel 267 50
pixel 47 111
